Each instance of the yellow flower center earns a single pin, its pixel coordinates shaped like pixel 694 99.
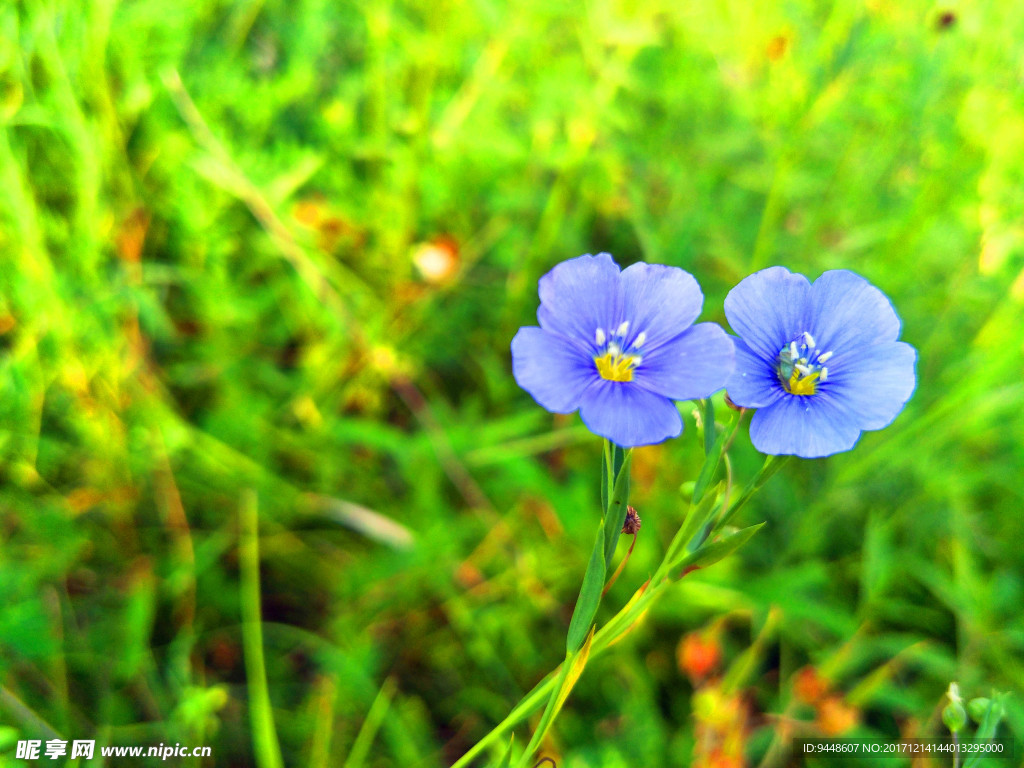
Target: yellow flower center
pixel 615 366
pixel 798 384
pixel 800 366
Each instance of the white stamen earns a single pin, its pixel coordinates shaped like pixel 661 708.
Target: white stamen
pixel 803 369
pixel 637 360
pixel 614 349
pixel 792 350
pixel 824 374
pixel 824 357
pixel 623 328
pixel 640 339
pixel 809 339
pixel 599 337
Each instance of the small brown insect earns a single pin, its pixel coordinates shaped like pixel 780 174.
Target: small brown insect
pixel 632 523
pixel 945 20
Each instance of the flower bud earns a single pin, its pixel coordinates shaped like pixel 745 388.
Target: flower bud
pixel 954 716
pixel 977 708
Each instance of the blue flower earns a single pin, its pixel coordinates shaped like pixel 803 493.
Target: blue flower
pixel 820 362
pixel 620 346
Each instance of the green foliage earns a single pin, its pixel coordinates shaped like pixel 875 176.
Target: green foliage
pixel 280 249
pixel 590 595
pixel 615 466
pixel 713 551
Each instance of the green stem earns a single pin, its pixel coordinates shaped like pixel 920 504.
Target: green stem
pixel 616 468
pixel 529 704
pixel 24 716
pixel 772 464
pixel 526 707
pixel 709 425
pixel 368 731
pixel 615 498
pixel 714 453
pixel 548 688
pixel 549 710
pixel 261 714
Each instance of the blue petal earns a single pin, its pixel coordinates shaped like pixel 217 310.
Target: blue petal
pixel 552 368
pixel 629 415
pixel 809 427
pixel 579 296
pixel 754 383
pixel 768 309
pixel 695 364
pixel 845 310
pixel 659 301
pixel 872 385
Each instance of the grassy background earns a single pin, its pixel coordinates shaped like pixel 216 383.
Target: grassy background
pixel 210 313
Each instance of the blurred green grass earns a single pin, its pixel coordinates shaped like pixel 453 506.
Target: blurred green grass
pixel 210 215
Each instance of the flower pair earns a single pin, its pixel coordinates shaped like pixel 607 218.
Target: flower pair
pixel 819 361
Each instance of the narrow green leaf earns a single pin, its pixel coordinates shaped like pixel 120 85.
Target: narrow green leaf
pixel 696 516
pixel 506 761
pixel 374 719
pixel 716 550
pixel 579 661
pixel 702 514
pixel 772 464
pixel 615 512
pixel 590 595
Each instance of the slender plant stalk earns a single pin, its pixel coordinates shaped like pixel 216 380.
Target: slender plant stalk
pixel 550 710
pixel 612 631
pixel 772 464
pixel 22 714
pixel 372 723
pixel 261 715
pixel 698 527
pixel 320 750
pixel 621 568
